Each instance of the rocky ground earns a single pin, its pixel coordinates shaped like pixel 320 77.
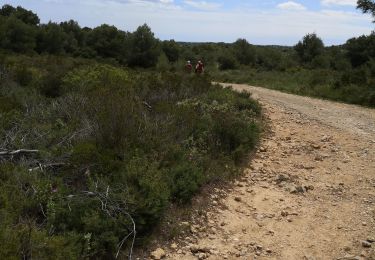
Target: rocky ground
pixel 309 193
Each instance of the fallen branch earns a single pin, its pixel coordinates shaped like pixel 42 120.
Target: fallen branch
pixel 48 165
pixel 147 105
pixel 71 137
pixel 112 209
pixel 16 152
pixel 134 232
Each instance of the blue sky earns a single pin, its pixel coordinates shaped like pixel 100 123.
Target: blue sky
pixel 264 22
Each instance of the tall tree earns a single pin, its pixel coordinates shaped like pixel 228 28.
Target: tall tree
pixel 367 6
pixel 28 17
pixel 144 47
pixel 7 10
pixel 171 50
pixel 51 39
pixel 108 41
pixel 16 35
pixel 75 37
pixel 361 50
pixel 309 48
pixel 244 52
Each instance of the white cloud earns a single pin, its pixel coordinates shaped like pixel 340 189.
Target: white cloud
pixel 117 5
pixel 149 1
pixel 259 27
pixel 339 2
pixel 203 5
pixel 52 1
pixel 144 1
pixel 290 5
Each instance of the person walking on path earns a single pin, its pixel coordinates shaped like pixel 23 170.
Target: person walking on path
pixel 199 68
pixel 188 67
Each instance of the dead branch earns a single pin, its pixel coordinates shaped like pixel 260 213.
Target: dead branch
pixel 48 165
pixel 147 105
pixel 69 138
pixel 16 152
pixel 111 208
pixel 134 233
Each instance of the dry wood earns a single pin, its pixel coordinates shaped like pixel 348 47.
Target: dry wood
pixel 16 152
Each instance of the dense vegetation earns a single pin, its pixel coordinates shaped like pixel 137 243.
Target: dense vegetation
pixel 111 142
pixel 101 130
pixel 92 153
pixel 344 73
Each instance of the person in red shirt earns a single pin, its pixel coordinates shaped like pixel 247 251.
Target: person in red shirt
pixel 188 67
pixel 199 68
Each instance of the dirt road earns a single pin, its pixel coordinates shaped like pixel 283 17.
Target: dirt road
pixel 308 194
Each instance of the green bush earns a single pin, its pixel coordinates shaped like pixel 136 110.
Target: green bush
pixel 8 104
pixel 227 62
pixel 186 180
pixel 115 146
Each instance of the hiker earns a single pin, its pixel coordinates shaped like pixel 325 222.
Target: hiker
pixel 199 68
pixel 188 67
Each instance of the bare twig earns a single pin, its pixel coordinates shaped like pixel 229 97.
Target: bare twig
pixel 71 137
pixel 41 207
pixel 147 105
pixel 20 151
pixel 133 241
pixel 112 209
pixel 48 165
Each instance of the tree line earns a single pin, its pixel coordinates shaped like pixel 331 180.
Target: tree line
pixel 22 32
pixel 92 153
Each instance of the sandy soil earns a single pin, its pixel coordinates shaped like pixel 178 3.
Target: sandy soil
pixel 308 194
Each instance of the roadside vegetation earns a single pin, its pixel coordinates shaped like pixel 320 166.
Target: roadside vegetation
pixel 343 73
pixel 101 129
pixel 95 146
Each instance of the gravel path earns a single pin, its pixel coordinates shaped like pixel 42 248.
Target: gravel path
pixel 308 194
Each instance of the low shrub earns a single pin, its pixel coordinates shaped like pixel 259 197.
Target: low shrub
pixel 114 147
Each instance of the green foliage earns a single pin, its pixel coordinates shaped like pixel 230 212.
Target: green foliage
pixel 23 75
pixel 51 39
pixel 343 73
pixel 360 50
pixel 321 61
pixel 270 59
pixel 75 37
pixel 7 104
pixel 148 190
pixel 171 50
pixel 244 52
pixel 20 13
pixel 144 50
pixel 108 42
pixel 118 145
pixel 91 78
pixel 367 6
pixel 309 48
pixel 21 32
pixel 16 35
pixel 7 10
pixel 227 62
pixel 163 63
pixel 115 146
pixel 186 179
